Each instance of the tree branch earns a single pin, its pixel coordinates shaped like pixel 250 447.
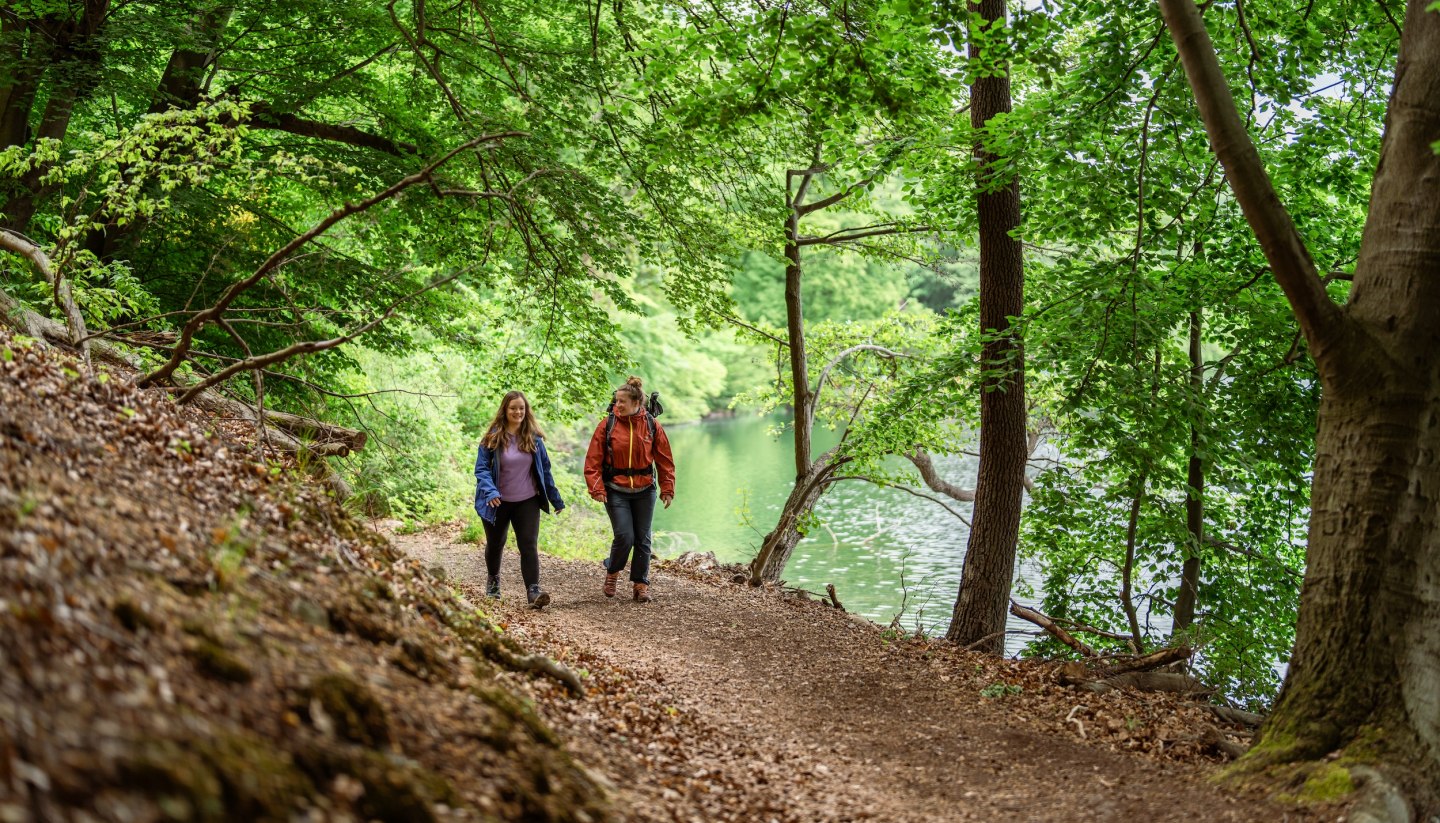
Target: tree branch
pixel 187 334
pixel 306 347
pixel 825 373
pixel 834 198
pixel 907 490
pixel 60 287
pixel 932 478
pixel 859 234
pixel 1289 259
pixel 1253 554
pixel 264 116
pixel 738 322
pixel 1051 627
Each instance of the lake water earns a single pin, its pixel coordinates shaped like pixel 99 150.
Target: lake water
pixel 887 551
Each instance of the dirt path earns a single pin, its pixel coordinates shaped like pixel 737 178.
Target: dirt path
pixel 719 702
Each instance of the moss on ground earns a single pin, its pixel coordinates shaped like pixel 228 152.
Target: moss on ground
pixel 233 776
pixel 218 662
pixel 355 714
pixel 396 790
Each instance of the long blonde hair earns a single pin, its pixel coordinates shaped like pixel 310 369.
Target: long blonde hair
pixel 529 427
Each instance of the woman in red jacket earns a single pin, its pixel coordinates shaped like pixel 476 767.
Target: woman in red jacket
pixel 629 453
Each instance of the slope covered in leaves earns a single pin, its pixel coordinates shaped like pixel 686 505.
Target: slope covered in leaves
pixel 187 633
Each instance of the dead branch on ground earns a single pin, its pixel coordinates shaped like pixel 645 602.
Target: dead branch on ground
pixel 1051 627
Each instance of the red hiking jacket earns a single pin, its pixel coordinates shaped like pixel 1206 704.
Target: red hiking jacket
pixel 630 448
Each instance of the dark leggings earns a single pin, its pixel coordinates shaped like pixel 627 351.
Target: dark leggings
pixel 525 517
pixel 630 516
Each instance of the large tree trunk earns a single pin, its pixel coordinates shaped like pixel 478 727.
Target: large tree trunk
pixel 1194 488
pixel 73 73
pixel 984 596
pixel 1362 681
pixel 180 85
pixel 20 49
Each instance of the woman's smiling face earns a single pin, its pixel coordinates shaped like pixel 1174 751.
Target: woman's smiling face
pixel 515 411
pixel 624 406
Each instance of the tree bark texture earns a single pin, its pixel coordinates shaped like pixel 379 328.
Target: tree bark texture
pixel 23 50
pixel 1194 488
pixel 984 596
pixel 71 65
pixel 181 83
pixel 1362 680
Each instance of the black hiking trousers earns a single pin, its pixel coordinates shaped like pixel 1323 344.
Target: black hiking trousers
pixel 630 517
pixel 525 517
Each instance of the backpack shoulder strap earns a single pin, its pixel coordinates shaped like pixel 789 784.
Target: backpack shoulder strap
pixel 609 426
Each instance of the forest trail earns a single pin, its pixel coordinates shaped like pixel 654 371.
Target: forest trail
pixel 718 702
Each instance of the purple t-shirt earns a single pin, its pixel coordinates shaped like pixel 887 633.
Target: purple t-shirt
pixel 516 481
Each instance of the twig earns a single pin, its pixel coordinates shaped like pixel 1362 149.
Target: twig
pixel 907 490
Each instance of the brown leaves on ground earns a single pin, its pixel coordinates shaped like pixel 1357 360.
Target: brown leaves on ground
pixel 188 632
pixel 722 702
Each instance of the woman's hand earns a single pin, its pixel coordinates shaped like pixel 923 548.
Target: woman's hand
pixel 666 498
pixel 494 503
pixel 598 497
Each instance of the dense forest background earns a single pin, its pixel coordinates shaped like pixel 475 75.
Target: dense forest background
pixel 384 216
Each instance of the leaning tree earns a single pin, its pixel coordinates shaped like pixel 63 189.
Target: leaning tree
pixel 1362 683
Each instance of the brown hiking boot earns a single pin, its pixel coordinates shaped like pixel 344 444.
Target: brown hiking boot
pixel 610 583
pixel 642 593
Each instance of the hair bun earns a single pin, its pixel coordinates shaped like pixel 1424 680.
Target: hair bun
pixel 634 381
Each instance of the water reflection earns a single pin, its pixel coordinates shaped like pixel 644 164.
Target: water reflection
pixel 887 551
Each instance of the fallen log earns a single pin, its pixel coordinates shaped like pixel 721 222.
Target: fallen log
pixel 294 431
pixel 1239 717
pixel 1146 662
pixel 1135 673
pixel 1149 682
pixel 1051 627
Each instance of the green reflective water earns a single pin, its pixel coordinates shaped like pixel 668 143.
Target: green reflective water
pixel 884 549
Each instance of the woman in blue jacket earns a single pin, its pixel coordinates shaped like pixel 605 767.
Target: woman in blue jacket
pixel 512 484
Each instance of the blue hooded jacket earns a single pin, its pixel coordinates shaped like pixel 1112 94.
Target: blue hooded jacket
pixel 487 469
